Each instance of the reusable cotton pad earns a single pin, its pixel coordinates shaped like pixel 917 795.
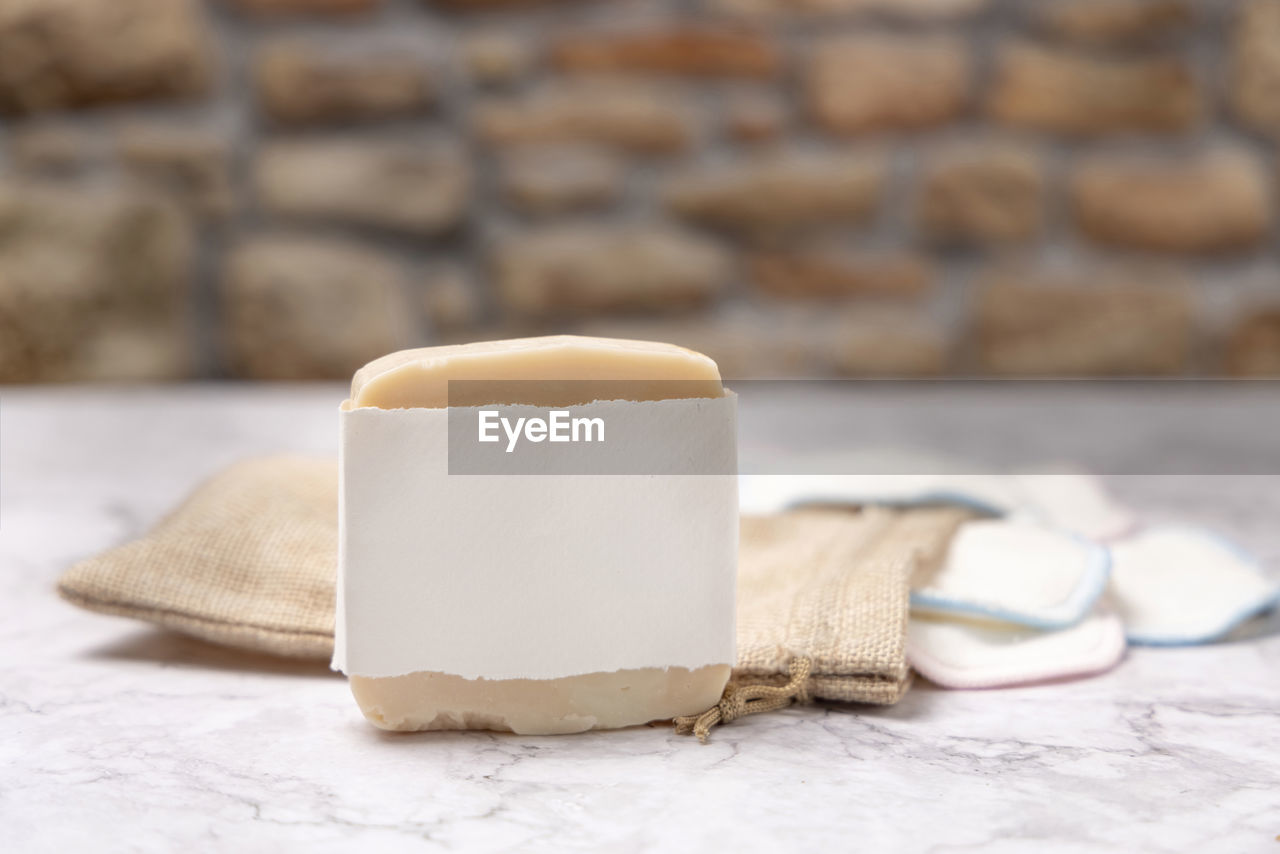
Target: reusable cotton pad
pixel 1015 570
pixel 772 493
pixel 1073 502
pixel 1176 586
pixel 958 653
pixel 1035 565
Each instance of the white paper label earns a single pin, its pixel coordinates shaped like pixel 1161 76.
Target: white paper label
pixel 535 576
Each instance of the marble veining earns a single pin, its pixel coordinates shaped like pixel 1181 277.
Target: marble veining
pixel 115 736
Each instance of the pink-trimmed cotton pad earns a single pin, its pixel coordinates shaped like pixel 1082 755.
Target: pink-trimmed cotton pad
pixel 973 654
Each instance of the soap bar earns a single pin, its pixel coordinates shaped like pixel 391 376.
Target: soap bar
pixel 526 371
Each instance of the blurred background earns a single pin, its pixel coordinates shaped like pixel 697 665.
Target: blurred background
pixel 284 189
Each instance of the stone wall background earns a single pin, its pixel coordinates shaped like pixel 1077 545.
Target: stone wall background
pixel 281 189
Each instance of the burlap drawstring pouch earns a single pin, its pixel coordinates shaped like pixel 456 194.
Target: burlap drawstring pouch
pixel 822 606
pixel 249 561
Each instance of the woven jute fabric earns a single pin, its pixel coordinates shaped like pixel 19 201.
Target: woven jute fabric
pixel 830 587
pixel 248 560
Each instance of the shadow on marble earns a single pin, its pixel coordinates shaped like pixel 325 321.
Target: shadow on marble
pixel 456 737
pixel 922 683
pixel 918 702
pixel 1263 626
pixel 908 708
pixel 170 649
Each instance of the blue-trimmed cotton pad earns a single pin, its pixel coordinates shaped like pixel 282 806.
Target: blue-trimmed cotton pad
pixel 974 654
pixel 772 493
pixel 1074 502
pixel 1177 586
pixel 1017 571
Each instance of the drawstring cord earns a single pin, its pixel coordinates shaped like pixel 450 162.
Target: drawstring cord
pixel 742 700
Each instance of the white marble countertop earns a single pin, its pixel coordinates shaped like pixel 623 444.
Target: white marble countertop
pixel 115 736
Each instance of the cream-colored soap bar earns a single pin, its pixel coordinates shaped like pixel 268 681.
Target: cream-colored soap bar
pixel 599 369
